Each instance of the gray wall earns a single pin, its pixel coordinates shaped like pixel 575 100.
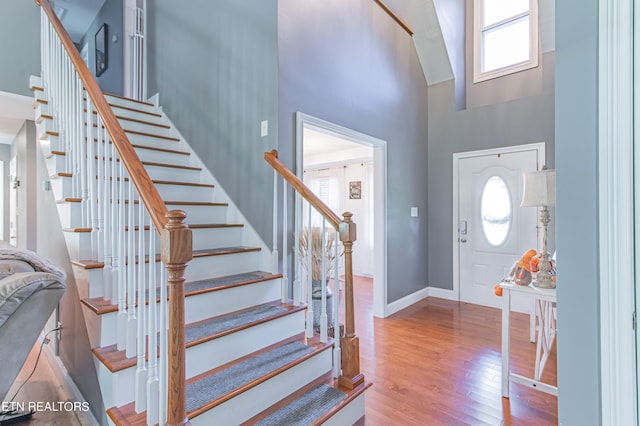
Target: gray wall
pixel 214 63
pixel 347 62
pixel 112 80
pixel 19 46
pixel 525 120
pixel 577 206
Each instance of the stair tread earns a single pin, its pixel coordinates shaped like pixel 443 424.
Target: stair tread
pixel 101 306
pixel 272 416
pixel 219 385
pixel 224 250
pixel 128 99
pixel 206 330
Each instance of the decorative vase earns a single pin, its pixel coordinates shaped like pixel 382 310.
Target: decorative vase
pixel 316 296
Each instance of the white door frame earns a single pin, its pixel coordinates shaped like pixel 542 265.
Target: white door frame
pixel 304 121
pixel 619 254
pixel 539 147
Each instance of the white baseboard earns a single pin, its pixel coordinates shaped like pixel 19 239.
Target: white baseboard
pixel 406 301
pixel 442 293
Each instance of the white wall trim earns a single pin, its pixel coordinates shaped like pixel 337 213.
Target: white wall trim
pixel 406 301
pixel 539 147
pixel 618 372
pixel 380 308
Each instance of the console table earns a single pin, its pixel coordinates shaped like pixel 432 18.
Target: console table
pixel 544 300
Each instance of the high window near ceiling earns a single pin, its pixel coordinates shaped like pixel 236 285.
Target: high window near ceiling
pixel 505 37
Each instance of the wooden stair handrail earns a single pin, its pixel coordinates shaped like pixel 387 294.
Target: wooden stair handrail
pixel 145 187
pixel 395 17
pixel 351 376
pixel 271 157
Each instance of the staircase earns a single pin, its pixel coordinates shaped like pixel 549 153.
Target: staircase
pixel 247 357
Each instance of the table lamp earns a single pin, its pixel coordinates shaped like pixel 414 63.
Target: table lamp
pixel 540 191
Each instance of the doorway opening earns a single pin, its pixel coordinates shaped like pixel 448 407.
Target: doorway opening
pixel 348 168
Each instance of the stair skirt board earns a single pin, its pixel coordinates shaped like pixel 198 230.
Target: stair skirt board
pixel 254 400
pixel 205 356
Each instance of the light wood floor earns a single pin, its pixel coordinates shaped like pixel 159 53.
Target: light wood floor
pixel 434 363
pixel 438 362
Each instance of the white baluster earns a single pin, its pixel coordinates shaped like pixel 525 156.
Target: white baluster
pixel 110 180
pixel 285 250
pixel 297 290
pixel 152 332
pixel 122 275
pixel 309 277
pixel 141 371
pixel 274 266
pixel 323 285
pixel 131 276
pixel 115 201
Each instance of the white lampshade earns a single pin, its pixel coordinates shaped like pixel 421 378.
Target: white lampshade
pixel 539 188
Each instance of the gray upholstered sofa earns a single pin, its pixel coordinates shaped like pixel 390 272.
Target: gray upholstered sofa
pixel 30 289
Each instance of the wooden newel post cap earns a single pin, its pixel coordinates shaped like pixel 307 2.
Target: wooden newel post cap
pixel 176 239
pixel 347 228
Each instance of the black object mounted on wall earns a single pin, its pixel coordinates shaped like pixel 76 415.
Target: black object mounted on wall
pixel 102 58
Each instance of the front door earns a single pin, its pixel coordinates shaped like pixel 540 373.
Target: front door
pixel 493 230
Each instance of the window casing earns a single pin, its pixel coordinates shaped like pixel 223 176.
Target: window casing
pixel 505 37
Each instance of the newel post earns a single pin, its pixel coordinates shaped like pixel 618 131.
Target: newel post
pixel 351 376
pixel 176 252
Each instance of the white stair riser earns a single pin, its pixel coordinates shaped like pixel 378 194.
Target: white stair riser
pixel 70 214
pixel 216 352
pixel 89 282
pixel 122 112
pixel 101 328
pixel 163 157
pixel 201 268
pixel 62 187
pixel 185 193
pixel 117 388
pixel 220 302
pixel 113 100
pixel 43 126
pixel 78 245
pixel 173 174
pixel 55 163
pixel 259 398
pixel 151 141
pixel 202 214
pixel 146 127
pixel 348 415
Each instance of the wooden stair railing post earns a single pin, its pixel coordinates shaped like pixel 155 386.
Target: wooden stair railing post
pixel 176 251
pixel 351 376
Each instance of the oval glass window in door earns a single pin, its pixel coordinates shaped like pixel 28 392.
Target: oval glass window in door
pixel 495 210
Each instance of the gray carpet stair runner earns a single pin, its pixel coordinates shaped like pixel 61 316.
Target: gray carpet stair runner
pixel 217 385
pixel 306 409
pixel 227 322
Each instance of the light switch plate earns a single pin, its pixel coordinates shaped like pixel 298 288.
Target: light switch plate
pixel 414 212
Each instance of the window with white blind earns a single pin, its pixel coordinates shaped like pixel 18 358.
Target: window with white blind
pixel 505 37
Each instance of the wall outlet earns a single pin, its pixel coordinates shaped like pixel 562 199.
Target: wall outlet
pixel 264 128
